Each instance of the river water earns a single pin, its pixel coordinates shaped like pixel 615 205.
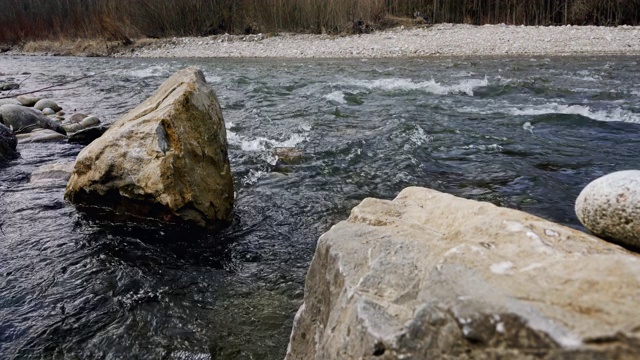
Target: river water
pixel 525 133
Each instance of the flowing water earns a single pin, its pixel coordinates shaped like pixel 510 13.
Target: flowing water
pixel 522 133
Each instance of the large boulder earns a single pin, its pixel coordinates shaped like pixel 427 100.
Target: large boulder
pixel 8 144
pixel 166 159
pixel 610 207
pixel 24 119
pixel 432 276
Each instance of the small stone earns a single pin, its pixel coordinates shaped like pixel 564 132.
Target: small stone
pixel 48 111
pixel 28 100
pixel 46 103
pixel 610 207
pixel 77 117
pixel 9 86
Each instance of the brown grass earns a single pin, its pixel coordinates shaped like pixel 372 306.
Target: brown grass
pixel 123 20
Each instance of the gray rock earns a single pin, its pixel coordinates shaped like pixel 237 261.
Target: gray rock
pixel 28 100
pixel 8 144
pixel 24 119
pixel 48 111
pixel 53 174
pixel 86 136
pixel 9 86
pixel 9 102
pixel 432 276
pixel 610 207
pixel 77 117
pixel 85 123
pixel 40 136
pixel 46 103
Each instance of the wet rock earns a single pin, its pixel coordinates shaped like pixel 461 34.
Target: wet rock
pixel 86 136
pixel 9 102
pixel 57 174
pixel 8 144
pixel 28 100
pixel 166 159
pixel 9 86
pixel 85 123
pixel 432 276
pixel 46 103
pixel 77 117
pixel 610 207
pixel 288 155
pixel 40 136
pixel 48 111
pixel 24 119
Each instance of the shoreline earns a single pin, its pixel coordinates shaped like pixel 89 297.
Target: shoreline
pixel 432 41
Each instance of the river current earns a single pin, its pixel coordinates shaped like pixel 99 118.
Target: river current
pixel 524 133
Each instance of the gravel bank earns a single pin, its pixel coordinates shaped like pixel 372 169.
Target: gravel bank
pixel 438 40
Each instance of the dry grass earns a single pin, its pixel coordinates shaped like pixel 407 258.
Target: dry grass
pixel 123 20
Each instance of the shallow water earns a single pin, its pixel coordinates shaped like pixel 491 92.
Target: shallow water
pixel 522 133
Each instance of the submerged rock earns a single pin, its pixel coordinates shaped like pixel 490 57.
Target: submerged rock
pixel 56 174
pixel 432 276
pixel 8 144
pixel 46 103
pixel 166 159
pixel 24 119
pixel 610 207
pixel 40 136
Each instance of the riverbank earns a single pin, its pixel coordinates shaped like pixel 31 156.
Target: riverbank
pixel 437 40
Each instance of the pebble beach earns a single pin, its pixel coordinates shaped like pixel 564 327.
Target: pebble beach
pixel 436 40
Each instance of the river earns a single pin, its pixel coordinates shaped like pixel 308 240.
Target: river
pixel 524 133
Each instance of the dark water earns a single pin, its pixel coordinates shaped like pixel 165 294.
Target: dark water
pixel 522 133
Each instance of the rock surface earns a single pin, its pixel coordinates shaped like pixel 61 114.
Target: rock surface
pixel 24 119
pixel 85 123
pixel 166 159
pixel 432 276
pixel 610 207
pixel 8 144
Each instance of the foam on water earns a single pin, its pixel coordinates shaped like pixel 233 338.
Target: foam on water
pixel 615 114
pixel 466 86
pixel 336 97
pixel 262 143
pixel 419 137
pixel 155 70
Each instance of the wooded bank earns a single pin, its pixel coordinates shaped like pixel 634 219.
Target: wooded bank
pixel 22 20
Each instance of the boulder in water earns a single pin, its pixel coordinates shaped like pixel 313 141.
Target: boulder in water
pixel 24 119
pixel 46 103
pixel 48 111
pixel 8 144
pixel 40 136
pixel 432 276
pixel 166 159
pixel 610 207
